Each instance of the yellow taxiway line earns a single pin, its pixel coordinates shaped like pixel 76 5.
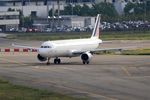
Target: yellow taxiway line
pixel 126 71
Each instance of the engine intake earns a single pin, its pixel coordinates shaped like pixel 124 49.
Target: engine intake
pixel 86 56
pixel 40 58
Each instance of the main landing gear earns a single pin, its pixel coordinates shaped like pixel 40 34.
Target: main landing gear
pixel 57 60
pixel 85 62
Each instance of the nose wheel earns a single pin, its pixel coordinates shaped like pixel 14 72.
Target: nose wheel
pixel 57 61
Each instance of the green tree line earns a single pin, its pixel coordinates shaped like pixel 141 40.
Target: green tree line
pixel 132 11
pixel 106 9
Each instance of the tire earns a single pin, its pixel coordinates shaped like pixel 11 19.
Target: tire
pixel 83 62
pixel 87 62
pixel 55 61
pixel 47 63
pixel 58 61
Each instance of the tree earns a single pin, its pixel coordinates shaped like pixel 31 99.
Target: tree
pixel 136 8
pixel 107 10
pixel 50 13
pixel 129 7
pixel 137 11
pixel 10 9
pixel 85 10
pixel 28 21
pixel 104 8
pixel 68 10
pixel 77 10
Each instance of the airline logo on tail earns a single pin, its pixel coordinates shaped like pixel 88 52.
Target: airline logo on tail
pixel 95 33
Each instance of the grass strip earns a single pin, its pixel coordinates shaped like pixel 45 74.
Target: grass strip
pixel 129 35
pixel 145 51
pixel 9 91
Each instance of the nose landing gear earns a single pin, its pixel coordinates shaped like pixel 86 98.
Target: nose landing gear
pixel 48 61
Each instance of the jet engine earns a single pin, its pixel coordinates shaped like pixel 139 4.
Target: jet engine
pixel 40 58
pixel 86 57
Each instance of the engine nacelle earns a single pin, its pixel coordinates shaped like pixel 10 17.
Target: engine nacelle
pixel 40 58
pixel 86 56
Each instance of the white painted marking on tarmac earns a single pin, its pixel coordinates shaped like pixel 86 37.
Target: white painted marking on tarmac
pixel 39 67
pixel 36 67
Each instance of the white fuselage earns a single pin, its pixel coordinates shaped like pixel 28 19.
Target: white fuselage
pixel 65 48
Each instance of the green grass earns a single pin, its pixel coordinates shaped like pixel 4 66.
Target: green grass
pixel 47 36
pixel 131 35
pixel 13 92
pixel 127 52
pixel 137 52
pixel 126 35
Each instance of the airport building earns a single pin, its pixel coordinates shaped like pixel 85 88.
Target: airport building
pixel 66 21
pixel 9 21
pixel 40 9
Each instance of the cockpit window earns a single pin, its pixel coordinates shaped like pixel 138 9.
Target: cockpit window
pixel 45 46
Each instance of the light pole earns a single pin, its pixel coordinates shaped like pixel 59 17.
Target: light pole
pixel 72 8
pixel 52 24
pixel 22 18
pixel 145 3
pixel 58 3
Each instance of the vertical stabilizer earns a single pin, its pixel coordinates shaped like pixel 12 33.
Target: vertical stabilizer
pixel 96 33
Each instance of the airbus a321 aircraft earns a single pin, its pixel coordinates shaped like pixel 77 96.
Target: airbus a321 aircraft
pixel 71 48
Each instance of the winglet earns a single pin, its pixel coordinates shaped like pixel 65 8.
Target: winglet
pixel 96 33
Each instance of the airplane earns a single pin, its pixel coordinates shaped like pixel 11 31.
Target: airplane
pixel 71 48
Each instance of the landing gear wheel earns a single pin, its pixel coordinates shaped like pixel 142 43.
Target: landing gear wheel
pixel 57 61
pixel 47 63
pixel 85 62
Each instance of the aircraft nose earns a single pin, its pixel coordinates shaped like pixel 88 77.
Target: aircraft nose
pixel 42 51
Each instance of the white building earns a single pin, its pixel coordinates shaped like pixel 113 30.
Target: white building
pixel 67 21
pixel 39 8
pixel 9 20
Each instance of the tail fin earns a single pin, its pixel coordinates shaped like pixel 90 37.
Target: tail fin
pixel 96 33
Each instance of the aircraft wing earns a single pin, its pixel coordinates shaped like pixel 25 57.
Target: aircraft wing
pixel 102 49
pixel 24 46
pixel 107 41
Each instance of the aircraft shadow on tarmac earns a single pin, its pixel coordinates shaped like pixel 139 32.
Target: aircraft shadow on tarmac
pixel 44 64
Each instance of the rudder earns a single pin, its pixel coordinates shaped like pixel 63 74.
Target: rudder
pixel 96 33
